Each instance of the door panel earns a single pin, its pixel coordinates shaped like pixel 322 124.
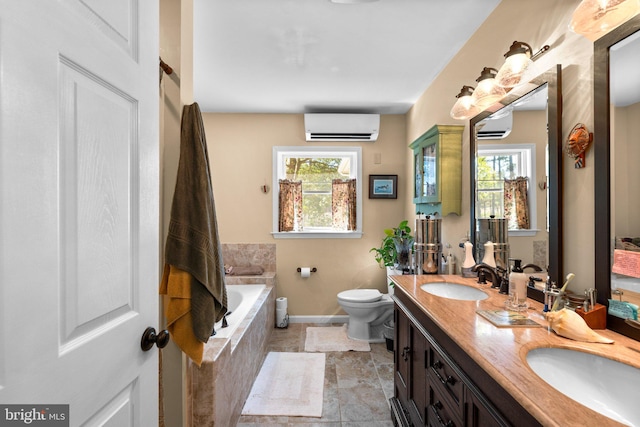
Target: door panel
pixel 79 191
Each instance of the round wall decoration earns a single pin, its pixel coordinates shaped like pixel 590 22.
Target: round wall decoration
pixel 577 144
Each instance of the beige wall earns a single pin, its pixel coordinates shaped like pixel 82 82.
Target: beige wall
pixel 537 23
pixel 240 148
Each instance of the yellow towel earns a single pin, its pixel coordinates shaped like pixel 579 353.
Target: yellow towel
pixel 176 285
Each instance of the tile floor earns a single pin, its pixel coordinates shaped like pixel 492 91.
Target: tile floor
pixel 357 385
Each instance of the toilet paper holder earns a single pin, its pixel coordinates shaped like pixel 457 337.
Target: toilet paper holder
pixel 313 270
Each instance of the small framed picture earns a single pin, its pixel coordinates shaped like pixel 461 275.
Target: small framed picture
pixel 383 186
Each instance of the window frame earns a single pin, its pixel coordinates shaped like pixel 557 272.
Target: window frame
pixel 529 152
pixel 280 152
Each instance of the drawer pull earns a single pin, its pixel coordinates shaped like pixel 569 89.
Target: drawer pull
pixel 405 353
pixel 434 409
pixel 437 364
pixel 449 380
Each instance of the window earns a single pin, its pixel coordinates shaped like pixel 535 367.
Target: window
pixel 321 190
pixel 497 163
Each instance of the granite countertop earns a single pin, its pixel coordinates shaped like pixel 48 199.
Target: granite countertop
pixel 501 352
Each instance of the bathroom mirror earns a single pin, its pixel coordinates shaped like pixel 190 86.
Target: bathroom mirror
pixel 539 101
pixel 616 160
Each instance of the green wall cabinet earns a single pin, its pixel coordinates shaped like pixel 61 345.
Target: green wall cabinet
pixel 437 156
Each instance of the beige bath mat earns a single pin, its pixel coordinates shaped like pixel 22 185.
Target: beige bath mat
pixel 288 384
pixel 331 338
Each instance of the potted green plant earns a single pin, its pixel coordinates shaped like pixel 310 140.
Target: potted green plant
pixel 395 248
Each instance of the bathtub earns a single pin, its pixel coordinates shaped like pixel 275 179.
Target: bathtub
pixel 240 300
pixel 217 390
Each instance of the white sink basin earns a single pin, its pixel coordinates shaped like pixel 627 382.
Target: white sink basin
pixel 604 385
pixel 454 291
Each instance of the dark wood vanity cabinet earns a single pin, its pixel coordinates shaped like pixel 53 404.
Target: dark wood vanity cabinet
pixel 410 354
pixel 432 387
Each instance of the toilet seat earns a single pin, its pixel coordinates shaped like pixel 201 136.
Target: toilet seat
pixel 360 295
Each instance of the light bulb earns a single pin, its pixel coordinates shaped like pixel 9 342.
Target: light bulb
pixel 518 68
pixel 600 16
pixel 488 92
pixel 464 108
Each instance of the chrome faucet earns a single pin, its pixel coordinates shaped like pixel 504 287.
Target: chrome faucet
pixel 482 269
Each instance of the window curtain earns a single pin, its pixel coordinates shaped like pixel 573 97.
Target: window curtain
pixel 290 205
pixel 516 203
pixel 343 204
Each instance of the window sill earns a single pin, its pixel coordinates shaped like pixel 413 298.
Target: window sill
pixel 317 235
pixel 524 233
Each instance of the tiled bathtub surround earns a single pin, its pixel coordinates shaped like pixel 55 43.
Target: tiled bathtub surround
pixel 217 390
pixel 249 255
pixel 540 253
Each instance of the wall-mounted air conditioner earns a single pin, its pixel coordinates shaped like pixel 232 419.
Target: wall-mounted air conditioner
pixel 341 127
pixel 495 128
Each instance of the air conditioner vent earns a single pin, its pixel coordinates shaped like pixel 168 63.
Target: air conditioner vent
pixel 341 136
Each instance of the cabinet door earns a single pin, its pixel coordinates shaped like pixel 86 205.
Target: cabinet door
pixel 401 356
pixel 478 414
pixel 437 157
pixel 426 173
pixel 418 381
pixel 418 165
pixel 431 171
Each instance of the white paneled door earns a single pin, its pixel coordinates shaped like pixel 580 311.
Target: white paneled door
pixel 79 193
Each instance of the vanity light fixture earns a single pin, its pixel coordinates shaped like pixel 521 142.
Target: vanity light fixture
pixel 464 108
pixel 592 17
pixel 518 66
pixel 493 85
pixel 487 92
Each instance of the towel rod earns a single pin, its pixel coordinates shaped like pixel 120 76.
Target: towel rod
pixel 165 67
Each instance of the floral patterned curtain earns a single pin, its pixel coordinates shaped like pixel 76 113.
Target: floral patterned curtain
pixel 516 203
pixel 343 204
pixel 290 206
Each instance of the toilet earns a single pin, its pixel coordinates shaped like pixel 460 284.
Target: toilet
pixel 368 309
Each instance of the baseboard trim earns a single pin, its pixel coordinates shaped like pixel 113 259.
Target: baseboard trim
pixel 342 318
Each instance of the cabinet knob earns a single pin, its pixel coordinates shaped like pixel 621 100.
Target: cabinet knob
pixel 405 353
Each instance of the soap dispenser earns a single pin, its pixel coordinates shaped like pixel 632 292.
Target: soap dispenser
pixel 469 262
pixel 517 300
pixel 488 258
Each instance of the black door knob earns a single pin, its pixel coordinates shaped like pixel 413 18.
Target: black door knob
pixel 149 337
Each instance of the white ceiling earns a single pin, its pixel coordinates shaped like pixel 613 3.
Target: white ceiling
pixel 295 56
